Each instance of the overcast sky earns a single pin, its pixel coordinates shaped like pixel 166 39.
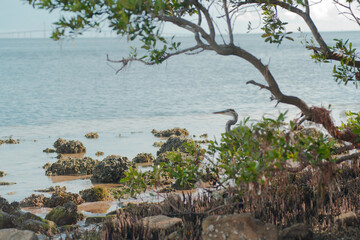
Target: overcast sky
pixel 16 15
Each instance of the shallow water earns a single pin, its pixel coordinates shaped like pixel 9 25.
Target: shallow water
pixel 50 90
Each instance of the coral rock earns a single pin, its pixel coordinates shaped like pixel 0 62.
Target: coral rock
pixel 71 166
pixel 111 170
pixel 169 132
pixel 144 158
pixel 64 146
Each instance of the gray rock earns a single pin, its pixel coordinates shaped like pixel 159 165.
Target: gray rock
pixel 237 227
pixel 110 170
pixel 71 166
pixel 173 143
pixel 65 215
pixel 15 234
pixel 161 222
pixel 64 146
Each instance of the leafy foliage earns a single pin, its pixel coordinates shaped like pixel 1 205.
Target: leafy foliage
pixel 183 170
pixel 274 28
pixel 250 153
pixel 253 152
pixel 353 122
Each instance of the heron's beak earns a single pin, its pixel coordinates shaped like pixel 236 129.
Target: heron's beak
pixel 221 112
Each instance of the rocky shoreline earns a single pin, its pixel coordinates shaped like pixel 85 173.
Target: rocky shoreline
pixel 209 214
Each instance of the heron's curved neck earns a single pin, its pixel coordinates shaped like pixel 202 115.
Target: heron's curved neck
pixel 231 122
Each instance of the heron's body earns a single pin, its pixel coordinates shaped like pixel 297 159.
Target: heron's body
pixel 229 112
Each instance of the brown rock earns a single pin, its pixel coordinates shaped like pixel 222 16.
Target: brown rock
pixel 169 132
pixel 144 158
pixel 64 146
pixel 237 226
pixel 92 135
pixel 346 219
pixel 299 231
pixel 161 222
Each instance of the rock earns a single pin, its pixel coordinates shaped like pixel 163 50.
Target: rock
pixel 35 200
pixel 162 222
pixel 29 221
pixel 144 158
pixel 65 215
pixel 237 226
pixel 64 146
pixel 11 208
pixel 15 234
pixel 94 220
pixel 12 141
pixel 205 135
pixel 2 173
pixel 49 150
pixel 6 183
pixel 158 144
pixel 346 219
pixel 299 231
pixel 169 132
pixel 98 153
pixel 58 198
pixel 92 135
pixel 71 166
pixel 6 220
pixel 111 169
pixel 173 143
pixel 97 193
pixel 52 189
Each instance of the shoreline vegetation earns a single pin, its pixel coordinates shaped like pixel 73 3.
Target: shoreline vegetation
pixel 193 199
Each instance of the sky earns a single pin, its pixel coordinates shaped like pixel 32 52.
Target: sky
pixel 18 16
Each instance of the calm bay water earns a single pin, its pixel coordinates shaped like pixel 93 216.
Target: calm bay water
pixel 50 90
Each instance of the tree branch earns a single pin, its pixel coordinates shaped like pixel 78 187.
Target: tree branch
pixel 126 61
pixel 305 15
pixel 208 19
pixel 231 37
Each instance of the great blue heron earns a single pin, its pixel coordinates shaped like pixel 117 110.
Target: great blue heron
pixel 229 112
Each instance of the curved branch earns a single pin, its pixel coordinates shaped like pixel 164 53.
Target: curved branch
pixel 304 15
pixel 263 69
pixel 208 19
pixel 126 61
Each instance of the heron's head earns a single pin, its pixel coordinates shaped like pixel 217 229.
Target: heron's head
pixel 229 112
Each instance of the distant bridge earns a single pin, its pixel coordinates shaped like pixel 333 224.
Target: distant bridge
pixel 47 33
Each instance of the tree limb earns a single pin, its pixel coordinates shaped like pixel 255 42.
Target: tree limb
pixel 126 61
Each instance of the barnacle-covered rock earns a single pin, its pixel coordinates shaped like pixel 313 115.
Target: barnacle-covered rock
pixel 71 166
pixel 169 132
pixel 173 143
pixel 97 193
pixel 64 146
pixel 12 141
pixel 58 198
pixel 99 153
pixel 49 150
pixel 65 215
pixel 92 135
pixel 35 200
pixel 143 158
pixel 111 169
